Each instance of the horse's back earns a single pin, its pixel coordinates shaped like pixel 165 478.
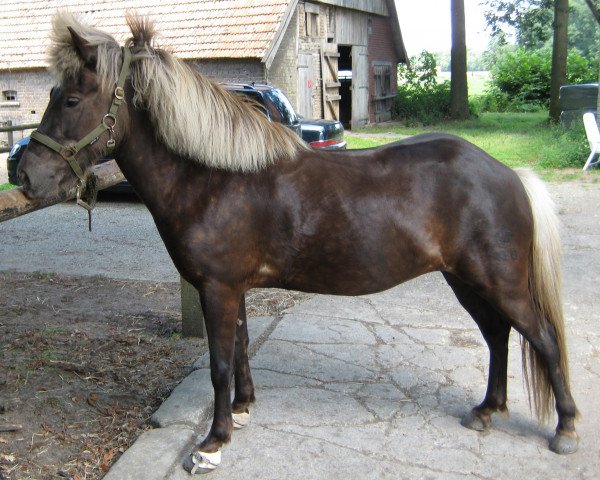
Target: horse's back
pixel 369 219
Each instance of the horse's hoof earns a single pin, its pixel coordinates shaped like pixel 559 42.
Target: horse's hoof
pixel 564 444
pixel 474 422
pixel 202 462
pixel 240 420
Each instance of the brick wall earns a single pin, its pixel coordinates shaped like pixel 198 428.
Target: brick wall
pixel 33 90
pixel 381 49
pixel 283 71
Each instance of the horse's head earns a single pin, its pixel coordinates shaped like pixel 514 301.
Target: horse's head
pixel 83 121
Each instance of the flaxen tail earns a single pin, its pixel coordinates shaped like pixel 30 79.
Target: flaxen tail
pixel 546 291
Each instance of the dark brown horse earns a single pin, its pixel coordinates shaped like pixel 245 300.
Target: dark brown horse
pixel 241 203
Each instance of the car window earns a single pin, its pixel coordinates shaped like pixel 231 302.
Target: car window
pixel 285 112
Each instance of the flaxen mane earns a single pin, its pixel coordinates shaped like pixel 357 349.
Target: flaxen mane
pixel 193 116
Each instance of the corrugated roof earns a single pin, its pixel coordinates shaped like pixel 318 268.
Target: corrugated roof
pixel 190 28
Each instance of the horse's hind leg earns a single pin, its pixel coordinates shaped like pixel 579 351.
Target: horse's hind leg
pixel 547 374
pixel 244 388
pixel 496 332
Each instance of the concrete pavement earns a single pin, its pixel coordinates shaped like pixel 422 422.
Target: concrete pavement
pixel 375 386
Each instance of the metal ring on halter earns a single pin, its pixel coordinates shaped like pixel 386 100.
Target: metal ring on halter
pixel 112 118
pixel 68 152
pixel 119 93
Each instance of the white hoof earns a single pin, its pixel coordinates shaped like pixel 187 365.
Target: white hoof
pixel 203 462
pixel 240 420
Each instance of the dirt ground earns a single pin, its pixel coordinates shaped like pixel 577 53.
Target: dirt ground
pixel 84 361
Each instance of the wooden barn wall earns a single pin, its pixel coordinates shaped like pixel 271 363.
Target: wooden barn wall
pixel 350 27
pixel 377 7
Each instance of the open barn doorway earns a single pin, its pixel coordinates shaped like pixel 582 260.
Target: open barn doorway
pixel 345 79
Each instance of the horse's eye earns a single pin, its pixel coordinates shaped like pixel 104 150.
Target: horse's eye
pixel 72 102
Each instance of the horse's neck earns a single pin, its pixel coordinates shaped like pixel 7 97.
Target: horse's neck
pixel 155 173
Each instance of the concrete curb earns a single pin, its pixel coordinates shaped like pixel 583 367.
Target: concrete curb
pixel 156 453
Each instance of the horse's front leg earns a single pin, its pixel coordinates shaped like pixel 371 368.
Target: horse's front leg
pixel 244 387
pixel 220 305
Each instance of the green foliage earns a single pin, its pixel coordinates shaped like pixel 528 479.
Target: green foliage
pixel 420 97
pixel 520 78
pixel 531 22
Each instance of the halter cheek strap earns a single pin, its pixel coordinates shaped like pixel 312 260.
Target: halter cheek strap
pixel 86 191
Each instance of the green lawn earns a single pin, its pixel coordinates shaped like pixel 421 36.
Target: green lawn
pixel 516 139
pixel 6 186
pixel 477 81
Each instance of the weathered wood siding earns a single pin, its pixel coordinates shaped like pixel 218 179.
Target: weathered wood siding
pixel 377 7
pixel 350 27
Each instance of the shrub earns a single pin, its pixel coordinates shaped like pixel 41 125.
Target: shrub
pixel 520 79
pixel 421 99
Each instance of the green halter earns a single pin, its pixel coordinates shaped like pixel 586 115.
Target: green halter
pixel 108 123
pixel 68 152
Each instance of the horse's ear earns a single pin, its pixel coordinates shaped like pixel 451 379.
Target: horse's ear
pixel 87 52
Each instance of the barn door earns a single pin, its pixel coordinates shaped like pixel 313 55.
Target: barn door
pixel 305 85
pixel 360 86
pixel 331 83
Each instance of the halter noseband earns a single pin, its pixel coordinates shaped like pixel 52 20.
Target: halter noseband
pixel 68 152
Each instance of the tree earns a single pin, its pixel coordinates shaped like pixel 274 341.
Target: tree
pixel 560 44
pixel 459 95
pixel 529 19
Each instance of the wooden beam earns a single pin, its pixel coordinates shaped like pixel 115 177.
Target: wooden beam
pixel 14 203
pixel 192 316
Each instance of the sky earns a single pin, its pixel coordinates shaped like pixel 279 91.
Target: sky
pixel 425 25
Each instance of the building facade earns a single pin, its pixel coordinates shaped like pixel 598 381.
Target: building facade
pixel 332 58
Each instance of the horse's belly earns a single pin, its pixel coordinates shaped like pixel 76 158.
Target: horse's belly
pixel 360 267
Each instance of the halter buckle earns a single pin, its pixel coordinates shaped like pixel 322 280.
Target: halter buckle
pixel 119 93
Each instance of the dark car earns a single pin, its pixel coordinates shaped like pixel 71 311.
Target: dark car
pixel 317 133
pixel 12 161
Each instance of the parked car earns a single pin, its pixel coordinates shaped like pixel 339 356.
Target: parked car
pixel 327 134
pixel 14 156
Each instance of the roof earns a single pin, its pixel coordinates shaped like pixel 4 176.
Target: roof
pixel 190 28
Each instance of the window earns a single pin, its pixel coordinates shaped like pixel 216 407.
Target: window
pixel 9 95
pixel 311 16
pixel 312 24
pixel 383 80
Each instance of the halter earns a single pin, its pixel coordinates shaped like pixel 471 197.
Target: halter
pixel 86 191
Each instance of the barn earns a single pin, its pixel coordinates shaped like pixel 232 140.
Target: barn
pixel 333 58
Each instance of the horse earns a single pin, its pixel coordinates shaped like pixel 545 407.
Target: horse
pixel 241 202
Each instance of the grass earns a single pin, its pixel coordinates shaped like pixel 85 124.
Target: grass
pixel 516 139
pixel 477 81
pixel 6 186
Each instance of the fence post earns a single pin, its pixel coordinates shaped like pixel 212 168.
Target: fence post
pixel 192 317
pixel 10 135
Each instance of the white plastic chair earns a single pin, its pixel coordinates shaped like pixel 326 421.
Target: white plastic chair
pixel 593 136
